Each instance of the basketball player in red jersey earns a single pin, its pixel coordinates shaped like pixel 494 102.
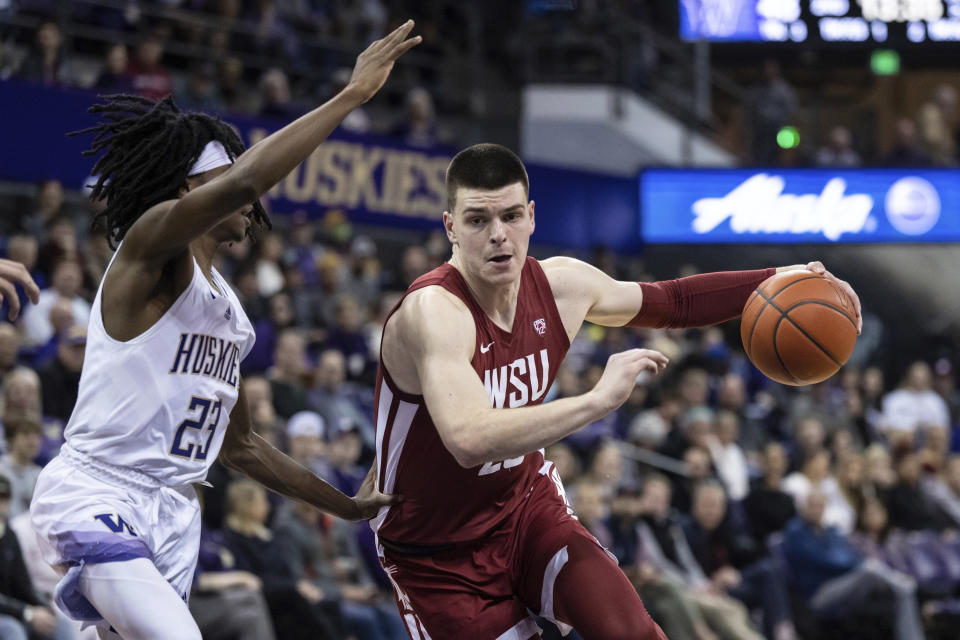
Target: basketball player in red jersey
pixel 484 533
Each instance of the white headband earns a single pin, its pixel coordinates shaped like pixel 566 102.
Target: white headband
pixel 213 156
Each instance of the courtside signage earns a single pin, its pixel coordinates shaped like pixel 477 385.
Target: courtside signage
pixel 799 205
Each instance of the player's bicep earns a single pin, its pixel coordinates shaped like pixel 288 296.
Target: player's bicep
pixel 440 336
pixel 239 430
pixel 595 295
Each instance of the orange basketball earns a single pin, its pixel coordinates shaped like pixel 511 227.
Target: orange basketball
pixel 798 328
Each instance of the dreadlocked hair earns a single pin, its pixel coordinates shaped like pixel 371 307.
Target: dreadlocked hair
pixel 148 149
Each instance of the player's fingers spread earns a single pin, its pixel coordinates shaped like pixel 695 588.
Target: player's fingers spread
pixel 405 46
pixel 400 32
pixel 817 267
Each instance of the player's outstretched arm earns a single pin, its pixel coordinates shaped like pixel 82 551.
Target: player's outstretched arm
pixel 438 334
pixel 583 291
pixel 13 273
pixel 168 229
pixel 246 452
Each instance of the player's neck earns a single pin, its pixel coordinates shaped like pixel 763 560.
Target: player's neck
pixel 204 249
pixel 499 302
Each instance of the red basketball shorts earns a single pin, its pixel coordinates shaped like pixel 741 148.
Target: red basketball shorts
pixel 483 591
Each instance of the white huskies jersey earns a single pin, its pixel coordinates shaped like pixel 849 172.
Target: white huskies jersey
pixel 160 403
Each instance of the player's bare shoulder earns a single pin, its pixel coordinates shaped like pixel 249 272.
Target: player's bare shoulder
pixel 570 282
pixel 430 320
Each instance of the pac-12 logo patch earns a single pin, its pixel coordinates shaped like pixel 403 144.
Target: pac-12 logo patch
pixel 540 326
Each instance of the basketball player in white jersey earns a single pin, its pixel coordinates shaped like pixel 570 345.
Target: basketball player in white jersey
pixel 160 394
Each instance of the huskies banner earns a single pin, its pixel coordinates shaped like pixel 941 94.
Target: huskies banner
pixel 375 180
pixel 799 205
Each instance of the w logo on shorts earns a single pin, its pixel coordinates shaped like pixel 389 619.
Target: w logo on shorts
pixel 117 526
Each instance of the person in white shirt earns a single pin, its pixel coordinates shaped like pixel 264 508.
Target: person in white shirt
pixel 914 405
pixel 66 281
pixel 728 457
pixel 815 475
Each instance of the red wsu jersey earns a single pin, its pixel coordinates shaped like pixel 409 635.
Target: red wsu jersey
pixel 444 503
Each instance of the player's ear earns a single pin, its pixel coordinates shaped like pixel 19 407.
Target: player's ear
pixel 448 227
pixel 533 222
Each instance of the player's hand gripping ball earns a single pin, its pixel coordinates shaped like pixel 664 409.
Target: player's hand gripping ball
pixel 798 327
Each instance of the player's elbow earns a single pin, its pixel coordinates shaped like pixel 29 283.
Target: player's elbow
pixel 465 447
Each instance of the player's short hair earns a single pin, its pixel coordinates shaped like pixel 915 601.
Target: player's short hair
pixel 484 166
pixel 148 148
pixel 21 422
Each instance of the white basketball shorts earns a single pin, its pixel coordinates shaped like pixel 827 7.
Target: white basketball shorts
pixel 85 511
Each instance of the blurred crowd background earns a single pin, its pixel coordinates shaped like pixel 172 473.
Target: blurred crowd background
pixel 730 501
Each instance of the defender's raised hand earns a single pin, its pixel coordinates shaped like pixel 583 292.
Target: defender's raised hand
pixel 374 64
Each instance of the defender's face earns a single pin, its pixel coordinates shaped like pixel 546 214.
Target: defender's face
pixel 492 229
pixel 233 228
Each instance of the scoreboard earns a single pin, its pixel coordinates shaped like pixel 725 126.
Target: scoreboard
pixel 889 22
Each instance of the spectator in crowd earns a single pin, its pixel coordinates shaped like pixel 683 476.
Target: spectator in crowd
pixel 728 457
pixel 66 284
pixel 732 561
pixel 906 150
pixel 46 63
pixel 23 433
pixel 809 435
pixel 60 380
pixel 317 549
pixel 287 373
pixel 911 507
pixel 341 402
pixel 666 548
pixel 230 85
pixel 419 128
pixel 262 414
pixel 227 603
pixel 21 396
pixel 113 77
pixel 305 442
pixel 279 319
pixel 49 205
pixel 768 507
pixel 275 99
pixel 838 152
pixel 299 609
pixel 914 405
pixel 937 123
pixel 22 613
pixel 344 450
pixel 834 577
pixel 149 76
pixel 198 91
pixel 945 490
pixel 348 336
pixel 815 475
pixel 269 260
pixel 565 461
pixel 607 468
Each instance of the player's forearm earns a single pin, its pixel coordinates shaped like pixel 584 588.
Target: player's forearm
pixel 499 434
pixel 281 473
pixel 697 301
pixel 270 160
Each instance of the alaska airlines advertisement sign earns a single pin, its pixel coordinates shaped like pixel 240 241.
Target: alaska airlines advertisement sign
pixel 799 205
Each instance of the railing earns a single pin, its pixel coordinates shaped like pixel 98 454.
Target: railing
pixel 675 75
